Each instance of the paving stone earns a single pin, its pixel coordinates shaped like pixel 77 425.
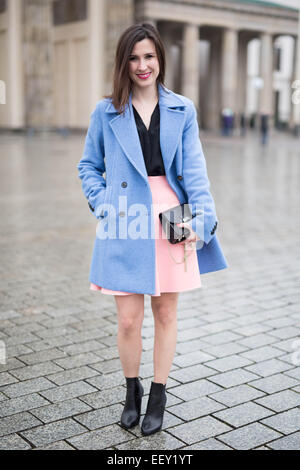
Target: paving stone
pixel 101 439
pixel 13 442
pixel 26 387
pixel 189 359
pixel 100 418
pixel 49 343
pixel 72 375
pixel 41 356
pixel 65 409
pixel 17 422
pixel 220 338
pixel 195 372
pixel 105 397
pixel 80 348
pixel 262 354
pixel 77 360
pixel 37 370
pixel 59 445
pixel 208 444
pixel 258 340
pixel 65 392
pixel 195 389
pixel 237 395
pixel 223 350
pixel 274 383
pixel 157 441
pixel 107 380
pixel 280 401
pixel 248 437
pixel 11 363
pixel 52 432
pixel 195 408
pixel 233 377
pixel 228 363
pixel 25 403
pixel 199 429
pixel 242 414
pixel 290 442
pixel 285 422
pixel 287 332
pixel 6 379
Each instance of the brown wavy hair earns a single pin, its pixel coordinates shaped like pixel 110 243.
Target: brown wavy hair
pixel 122 83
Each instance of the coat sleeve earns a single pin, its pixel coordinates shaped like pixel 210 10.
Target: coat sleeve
pixel 91 166
pixel 196 180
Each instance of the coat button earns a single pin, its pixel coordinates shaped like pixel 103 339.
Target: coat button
pixel 122 214
pixel 124 184
pixel 92 209
pixel 179 177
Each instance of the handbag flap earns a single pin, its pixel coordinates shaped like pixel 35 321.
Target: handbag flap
pixel 177 214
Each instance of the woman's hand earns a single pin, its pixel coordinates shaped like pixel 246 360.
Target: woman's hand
pixel 193 237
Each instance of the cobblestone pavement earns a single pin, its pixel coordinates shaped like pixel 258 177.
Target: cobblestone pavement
pixel 234 383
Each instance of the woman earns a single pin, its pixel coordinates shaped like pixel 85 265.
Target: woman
pixel 145 139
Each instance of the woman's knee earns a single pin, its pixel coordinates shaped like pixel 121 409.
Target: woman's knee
pixel 130 315
pixel 165 310
pixel 165 314
pixel 130 323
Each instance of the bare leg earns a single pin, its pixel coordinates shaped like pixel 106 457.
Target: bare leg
pixel 130 319
pixel 165 320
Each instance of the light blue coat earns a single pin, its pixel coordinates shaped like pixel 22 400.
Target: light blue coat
pixel 112 146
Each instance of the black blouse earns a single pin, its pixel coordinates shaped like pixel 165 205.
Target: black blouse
pixel 150 142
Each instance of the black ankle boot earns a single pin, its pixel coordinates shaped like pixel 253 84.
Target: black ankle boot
pixel 132 409
pixel 153 419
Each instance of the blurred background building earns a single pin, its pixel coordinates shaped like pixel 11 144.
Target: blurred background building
pixel 56 57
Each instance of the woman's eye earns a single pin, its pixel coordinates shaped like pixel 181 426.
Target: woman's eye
pixel 147 56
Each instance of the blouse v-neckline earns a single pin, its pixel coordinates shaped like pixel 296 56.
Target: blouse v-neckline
pixel 151 119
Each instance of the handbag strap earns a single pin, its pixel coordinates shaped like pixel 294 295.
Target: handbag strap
pixel 185 255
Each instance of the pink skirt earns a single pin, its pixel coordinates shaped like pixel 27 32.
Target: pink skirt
pixel 171 275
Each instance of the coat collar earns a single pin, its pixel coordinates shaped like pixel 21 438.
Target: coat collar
pixel 171 128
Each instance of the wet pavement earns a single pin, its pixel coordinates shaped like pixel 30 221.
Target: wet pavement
pixel 234 382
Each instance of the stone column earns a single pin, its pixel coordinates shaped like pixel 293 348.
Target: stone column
pixel 190 63
pixel 167 39
pixel 15 84
pixel 37 59
pixel 266 73
pixel 229 68
pixel 213 108
pixel 97 18
pixel 242 75
pixel 296 90
pixel 120 15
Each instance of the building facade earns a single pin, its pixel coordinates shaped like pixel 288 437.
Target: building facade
pixel 56 57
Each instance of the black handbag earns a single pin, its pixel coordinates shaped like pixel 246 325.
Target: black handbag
pixel 173 216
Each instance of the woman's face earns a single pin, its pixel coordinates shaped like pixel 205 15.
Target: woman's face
pixel 143 64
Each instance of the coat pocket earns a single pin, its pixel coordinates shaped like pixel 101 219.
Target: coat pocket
pixel 102 207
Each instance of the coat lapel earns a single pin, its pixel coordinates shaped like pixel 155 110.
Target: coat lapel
pixel 171 128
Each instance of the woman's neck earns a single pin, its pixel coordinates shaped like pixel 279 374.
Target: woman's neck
pixel 145 95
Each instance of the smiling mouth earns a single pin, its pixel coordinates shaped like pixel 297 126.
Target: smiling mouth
pixel 144 75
